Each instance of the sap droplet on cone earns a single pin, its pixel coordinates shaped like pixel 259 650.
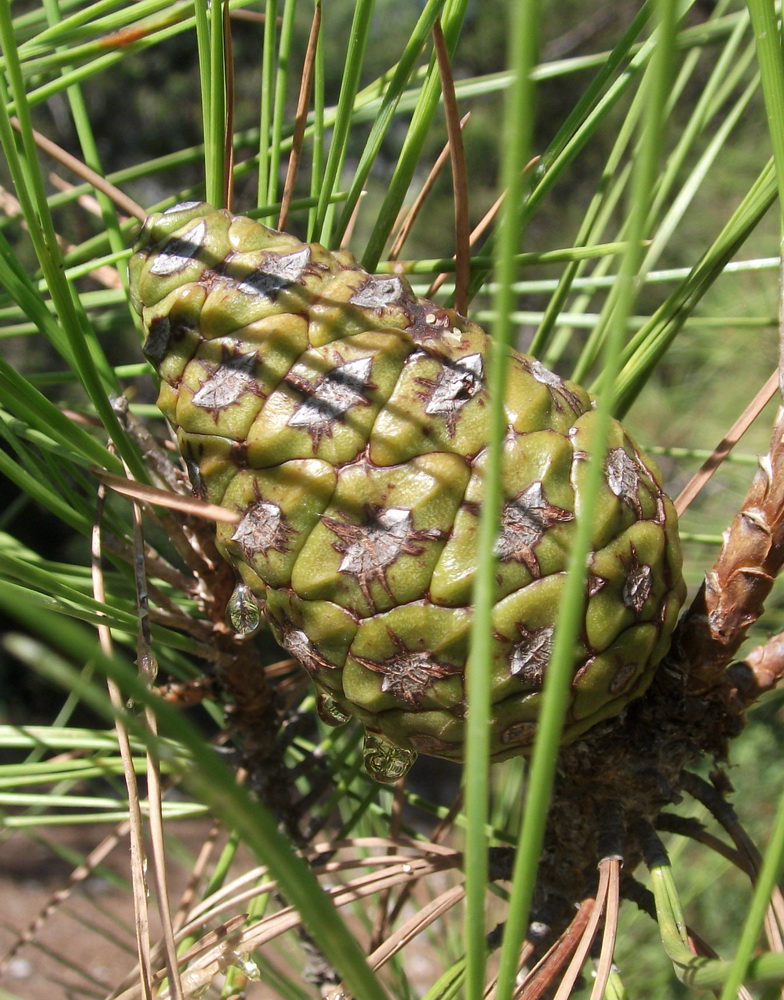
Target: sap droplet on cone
pixel 243 613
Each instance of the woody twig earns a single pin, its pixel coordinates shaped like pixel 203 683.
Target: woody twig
pixel 734 592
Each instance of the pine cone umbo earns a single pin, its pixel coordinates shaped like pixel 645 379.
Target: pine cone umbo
pixel 346 421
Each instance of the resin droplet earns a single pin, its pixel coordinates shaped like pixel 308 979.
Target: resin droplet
pixel 243 613
pixel 330 713
pixel 385 762
pixel 248 967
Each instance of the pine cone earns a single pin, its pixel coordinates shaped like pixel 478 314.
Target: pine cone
pixel 347 422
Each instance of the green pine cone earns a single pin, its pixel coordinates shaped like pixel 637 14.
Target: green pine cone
pixel 347 421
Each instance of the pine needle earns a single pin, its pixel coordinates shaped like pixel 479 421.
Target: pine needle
pixel 459 178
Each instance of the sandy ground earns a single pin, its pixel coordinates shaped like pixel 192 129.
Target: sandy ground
pixel 85 949
pixel 86 946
